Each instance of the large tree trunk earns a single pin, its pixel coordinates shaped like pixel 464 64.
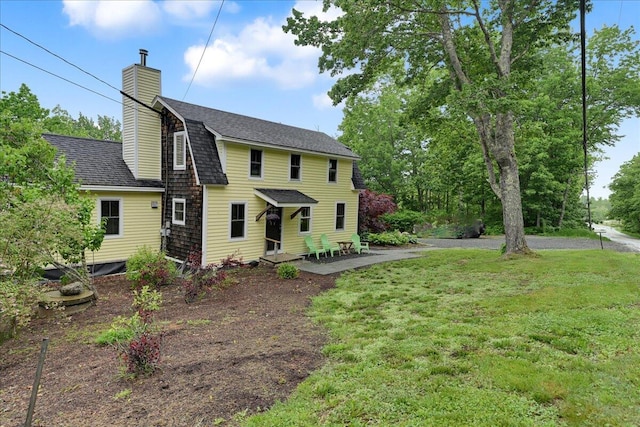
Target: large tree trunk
pixel 503 150
pixel 500 146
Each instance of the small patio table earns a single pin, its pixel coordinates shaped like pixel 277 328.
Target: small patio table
pixel 345 247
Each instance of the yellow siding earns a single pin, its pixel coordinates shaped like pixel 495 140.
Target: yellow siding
pixel 149 136
pixel 128 119
pixel 142 136
pixel 140 222
pixel 314 183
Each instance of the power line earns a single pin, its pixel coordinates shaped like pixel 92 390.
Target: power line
pixel 57 56
pixel 204 50
pixel 60 77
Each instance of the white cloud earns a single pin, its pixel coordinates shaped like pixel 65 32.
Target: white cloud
pixel 113 19
pixel 231 7
pixel 189 9
pixel 322 101
pixel 262 51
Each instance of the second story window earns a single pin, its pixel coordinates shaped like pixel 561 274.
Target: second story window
pixel 333 170
pixel 255 164
pixel 294 168
pixel 179 151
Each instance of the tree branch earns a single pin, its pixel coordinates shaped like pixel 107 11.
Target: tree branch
pixel 487 38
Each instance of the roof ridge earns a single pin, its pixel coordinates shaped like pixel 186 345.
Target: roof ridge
pixel 244 116
pixel 84 138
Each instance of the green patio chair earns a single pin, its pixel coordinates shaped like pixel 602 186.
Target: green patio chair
pixel 313 249
pixel 359 246
pixel 329 247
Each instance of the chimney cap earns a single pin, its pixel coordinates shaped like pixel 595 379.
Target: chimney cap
pixel 143 57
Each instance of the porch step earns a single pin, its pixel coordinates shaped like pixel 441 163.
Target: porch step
pixel 280 258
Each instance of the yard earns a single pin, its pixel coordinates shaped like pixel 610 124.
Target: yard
pixel 457 337
pixel 234 353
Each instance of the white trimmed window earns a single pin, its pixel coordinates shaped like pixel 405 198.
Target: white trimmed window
pixel 179 211
pixel 341 209
pixel 305 220
pixel 255 164
pixel 333 170
pixel 294 167
pixel 110 215
pixel 238 220
pixel 179 151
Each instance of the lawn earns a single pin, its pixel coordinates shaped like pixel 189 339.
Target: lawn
pixel 463 337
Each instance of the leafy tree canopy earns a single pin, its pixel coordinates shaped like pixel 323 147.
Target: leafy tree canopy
pixel 625 195
pixel 24 105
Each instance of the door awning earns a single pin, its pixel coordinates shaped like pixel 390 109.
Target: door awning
pixel 284 198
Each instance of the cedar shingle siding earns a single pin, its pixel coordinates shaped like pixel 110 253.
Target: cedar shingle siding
pixel 180 184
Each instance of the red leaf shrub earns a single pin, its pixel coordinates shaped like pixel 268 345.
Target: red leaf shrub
pixel 372 206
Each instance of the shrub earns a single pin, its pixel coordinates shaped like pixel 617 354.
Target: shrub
pixel 372 206
pixel 392 238
pixel 288 271
pixel 142 355
pixel 150 268
pixel 404 220
pixel 202 281
pixel 17 302
pixel 136 338
pixel 199 281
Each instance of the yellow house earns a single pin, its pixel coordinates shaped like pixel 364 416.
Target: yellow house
pixel 191 179
pixel 131 207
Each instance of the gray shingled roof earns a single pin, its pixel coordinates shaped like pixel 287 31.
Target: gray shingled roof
pixel 286 197
pixel 98 162
pixel 206 156
pixel 250 129
pixel 356 177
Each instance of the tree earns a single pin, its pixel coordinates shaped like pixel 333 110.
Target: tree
pixel 44 218
pixel 625 195
pixel 371 208
pixel 25 105
pixel 486 52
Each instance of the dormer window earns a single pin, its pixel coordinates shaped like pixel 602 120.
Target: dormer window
pixel 179 151
pixel 255 164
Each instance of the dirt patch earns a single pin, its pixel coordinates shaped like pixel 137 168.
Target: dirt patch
pixel 238 350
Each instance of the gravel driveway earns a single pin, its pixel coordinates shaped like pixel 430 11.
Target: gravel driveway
pixel 534 242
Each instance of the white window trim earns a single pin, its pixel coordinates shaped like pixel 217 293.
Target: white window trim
pixel 299 168
pixel 329 171
pixel 335 216
pixel 174 201
pixel 246 221
pixel 176 165
pixel 306 233
pixel 120 213
pixel 261 164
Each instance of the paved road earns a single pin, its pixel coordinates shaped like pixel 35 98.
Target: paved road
pixel 618 237
pixel 535 243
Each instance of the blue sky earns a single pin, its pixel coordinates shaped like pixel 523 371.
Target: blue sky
pixel 251 67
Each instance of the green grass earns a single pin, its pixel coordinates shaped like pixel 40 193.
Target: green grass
pixel 463 337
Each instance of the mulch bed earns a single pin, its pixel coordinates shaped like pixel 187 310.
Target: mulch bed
pixel 239 349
